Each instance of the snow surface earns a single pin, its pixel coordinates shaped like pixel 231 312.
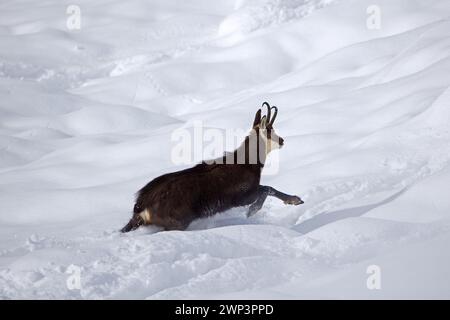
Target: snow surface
pixel 86 118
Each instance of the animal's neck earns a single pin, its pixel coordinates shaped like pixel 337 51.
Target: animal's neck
pixel 251 151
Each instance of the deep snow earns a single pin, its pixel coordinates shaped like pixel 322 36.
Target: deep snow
pixel 87 117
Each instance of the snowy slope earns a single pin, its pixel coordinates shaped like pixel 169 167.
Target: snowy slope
pixel 87 117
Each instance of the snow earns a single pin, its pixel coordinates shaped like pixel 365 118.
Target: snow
pixel 87 118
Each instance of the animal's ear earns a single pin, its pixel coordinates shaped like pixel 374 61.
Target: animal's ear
pixel 257 120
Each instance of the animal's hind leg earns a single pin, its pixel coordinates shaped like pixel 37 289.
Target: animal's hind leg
pixel 139 218
pixel 135 222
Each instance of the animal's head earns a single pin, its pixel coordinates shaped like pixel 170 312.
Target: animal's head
pixel 264 129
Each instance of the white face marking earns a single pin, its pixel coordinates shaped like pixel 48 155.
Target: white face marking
pixel 145 215
pixel 272 144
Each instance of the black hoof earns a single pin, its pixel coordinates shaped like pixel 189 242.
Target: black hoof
pixel 294 200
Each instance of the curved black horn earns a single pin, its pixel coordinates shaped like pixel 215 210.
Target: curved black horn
pixel 268 110
pixel 274 116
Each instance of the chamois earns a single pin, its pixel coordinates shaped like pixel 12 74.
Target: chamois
pixel 174 200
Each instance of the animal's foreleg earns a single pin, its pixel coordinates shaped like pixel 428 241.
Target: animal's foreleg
pixel 286 198
pixel 262 193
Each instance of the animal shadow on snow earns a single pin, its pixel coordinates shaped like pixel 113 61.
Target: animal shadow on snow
pixel 329 217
